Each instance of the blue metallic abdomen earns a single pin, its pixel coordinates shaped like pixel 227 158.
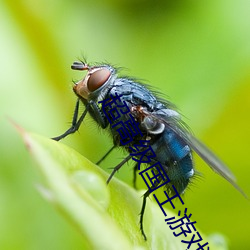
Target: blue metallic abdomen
pixel 176 158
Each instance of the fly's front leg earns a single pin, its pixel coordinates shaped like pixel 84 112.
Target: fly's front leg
pixel 75 124
pixel 98 114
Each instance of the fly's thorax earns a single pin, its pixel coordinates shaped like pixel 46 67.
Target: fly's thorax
pixel 93 86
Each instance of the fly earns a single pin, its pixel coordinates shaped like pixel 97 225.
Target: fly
pixel 158 121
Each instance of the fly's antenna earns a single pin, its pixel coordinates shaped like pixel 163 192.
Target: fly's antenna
pixel 80 66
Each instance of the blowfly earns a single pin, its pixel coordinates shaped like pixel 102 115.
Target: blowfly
pixel 158 121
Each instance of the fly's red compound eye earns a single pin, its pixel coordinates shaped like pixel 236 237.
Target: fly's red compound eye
pixel 97 79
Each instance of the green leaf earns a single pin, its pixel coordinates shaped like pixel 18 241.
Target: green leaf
pixel 106 215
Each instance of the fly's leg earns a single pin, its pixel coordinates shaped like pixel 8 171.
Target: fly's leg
pixel 105 155
pixel 144 201
pixel 118 167
pixel 75 124
pixel 98 114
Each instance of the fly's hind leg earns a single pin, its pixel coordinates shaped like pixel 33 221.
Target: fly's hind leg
pixel 144 201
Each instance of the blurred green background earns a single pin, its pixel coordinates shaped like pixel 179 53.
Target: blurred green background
pixel 195 52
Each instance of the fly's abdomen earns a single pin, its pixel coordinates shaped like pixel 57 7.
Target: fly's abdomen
pixel 175 156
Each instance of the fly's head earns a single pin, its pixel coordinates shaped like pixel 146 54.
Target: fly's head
pixel 96 79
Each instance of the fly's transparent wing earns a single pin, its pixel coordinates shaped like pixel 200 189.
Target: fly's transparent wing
pixel 175 124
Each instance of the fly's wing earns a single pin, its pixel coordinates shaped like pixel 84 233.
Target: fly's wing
pixel 174 123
